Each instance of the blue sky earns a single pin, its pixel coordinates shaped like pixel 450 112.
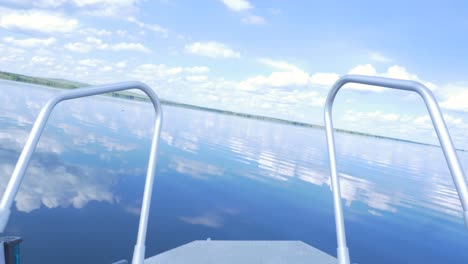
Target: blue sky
pixel 274 58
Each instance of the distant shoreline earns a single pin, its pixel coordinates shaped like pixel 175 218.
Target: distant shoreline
pixel 66 84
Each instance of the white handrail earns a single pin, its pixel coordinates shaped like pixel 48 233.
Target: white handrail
pixel 36 131
pixel 442 133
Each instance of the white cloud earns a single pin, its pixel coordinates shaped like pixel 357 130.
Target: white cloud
pixel 422 120
pixel 353 116
pixel 95 31
pixel 92 7
pixel 376 56
pixel 121 33
pixel 105 69
pixel 36 20
pixel 197 69
pixel 152 27
pixel 107 7
pixel 398 72
pixel 296 97
pixel 39 3
pixel 102 2
pixel 453 120
pixel 275 79
pixel 30 42
pixel 211 49
pixel 237 5
pixel 121 64
pixel 282 65
pixel 95 43
pixel 129 46
pixel 90 62
pixel 324 78
pixel 197 78
pixel 43 60
pixel 290 75
pixel 241 6
pixel 366 69
pixel 78 47
pixel 297 76
pixel 253 20
pixel 8 49
pixel 425 121
pixel 157 72
pixel 457 100
pixel 395 71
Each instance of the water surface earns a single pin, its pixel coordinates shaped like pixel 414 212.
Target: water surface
pixel 218 177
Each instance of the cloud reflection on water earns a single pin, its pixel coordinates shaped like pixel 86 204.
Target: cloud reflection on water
pixel 220 176
pixel 384 175
pixel 52 184
pixel 209 220
pixel 62 171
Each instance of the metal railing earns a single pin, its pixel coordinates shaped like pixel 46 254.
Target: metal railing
pixel 36 131
pixel 441 130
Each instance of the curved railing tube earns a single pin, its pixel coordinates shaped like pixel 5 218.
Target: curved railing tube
pixel 23 161
pixel 442 133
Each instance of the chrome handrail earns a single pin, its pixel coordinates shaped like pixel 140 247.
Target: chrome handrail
pixel 442 133
pixel 36 131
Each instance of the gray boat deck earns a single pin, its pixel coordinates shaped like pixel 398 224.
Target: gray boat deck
pixel 248 252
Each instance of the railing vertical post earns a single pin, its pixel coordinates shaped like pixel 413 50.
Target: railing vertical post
pixel 442 133
pixel 342 250
pixel 139 252
pixel 33 138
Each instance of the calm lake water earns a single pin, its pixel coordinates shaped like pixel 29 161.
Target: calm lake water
pixel 218 177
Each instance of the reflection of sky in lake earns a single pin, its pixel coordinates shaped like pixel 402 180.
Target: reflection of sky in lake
pixel 219 176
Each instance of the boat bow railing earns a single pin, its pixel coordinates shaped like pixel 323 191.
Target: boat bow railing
pixel 442 133
pixel 36 131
